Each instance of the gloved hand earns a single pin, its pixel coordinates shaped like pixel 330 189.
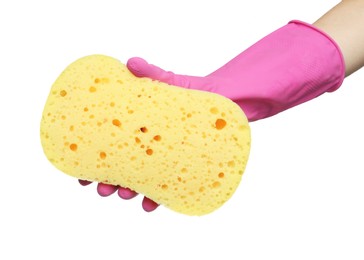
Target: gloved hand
pixel 290 66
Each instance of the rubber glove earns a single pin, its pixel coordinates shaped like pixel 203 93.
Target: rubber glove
pixel 290 66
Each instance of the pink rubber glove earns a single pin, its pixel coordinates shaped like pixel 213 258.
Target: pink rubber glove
pixel 292 65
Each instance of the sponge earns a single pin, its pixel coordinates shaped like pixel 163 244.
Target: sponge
pixel 185 149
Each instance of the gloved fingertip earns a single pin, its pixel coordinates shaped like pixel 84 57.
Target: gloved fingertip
pixel 149 205
pixel 126 193
pixel 137 66
pixel 84 182
pixel 105 190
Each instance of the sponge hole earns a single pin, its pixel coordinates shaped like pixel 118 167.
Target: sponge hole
pixel 231 163
pixel 116 122
pixel 63 93
pixel 102 155
pixel 214 110
pixel 73 147
pixel 220 123
pixel 216 184
pixel 144 129
pixel 157 138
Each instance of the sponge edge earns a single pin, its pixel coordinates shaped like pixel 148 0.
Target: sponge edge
pixel 185 149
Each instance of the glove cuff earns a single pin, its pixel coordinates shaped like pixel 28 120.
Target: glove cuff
pixel 335 52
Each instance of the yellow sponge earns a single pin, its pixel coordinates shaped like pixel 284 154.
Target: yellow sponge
pixel 185 149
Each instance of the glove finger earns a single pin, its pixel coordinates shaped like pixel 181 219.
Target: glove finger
pixel 84 182
pixel 149 205
pixel 105 190
pixel 141 68
pixel 126 193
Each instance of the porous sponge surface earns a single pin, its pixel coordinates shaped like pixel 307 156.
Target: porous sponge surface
pixel 185 149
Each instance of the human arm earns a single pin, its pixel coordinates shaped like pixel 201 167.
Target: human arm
pixel 345 24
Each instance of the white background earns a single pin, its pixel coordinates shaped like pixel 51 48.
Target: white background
pixel 301 196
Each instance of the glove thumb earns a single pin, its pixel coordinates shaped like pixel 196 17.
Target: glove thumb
pixel 141 68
